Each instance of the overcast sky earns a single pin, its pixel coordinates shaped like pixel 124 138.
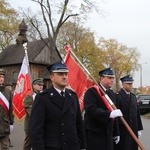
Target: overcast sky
pixel 127 21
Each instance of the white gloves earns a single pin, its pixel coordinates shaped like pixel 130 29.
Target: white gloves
pixel 11 128
pixel 115 113
pixel 33 96
pixel 116 139
pixel 139 134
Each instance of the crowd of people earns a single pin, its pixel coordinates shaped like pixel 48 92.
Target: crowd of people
pixel 54 120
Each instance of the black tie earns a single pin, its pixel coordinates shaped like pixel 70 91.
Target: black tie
pixel 107 91
pixel 63 98
pixel 63 95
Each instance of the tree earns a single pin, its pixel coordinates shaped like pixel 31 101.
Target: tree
pixel 122 59
pixel 8 24
pixel 82 43
pixel 110 53
pixel 63 10
pixel 107 53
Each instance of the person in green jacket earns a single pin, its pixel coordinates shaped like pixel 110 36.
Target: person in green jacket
pixel 37 86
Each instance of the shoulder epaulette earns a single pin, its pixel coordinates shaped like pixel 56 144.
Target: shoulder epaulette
pixel 43 92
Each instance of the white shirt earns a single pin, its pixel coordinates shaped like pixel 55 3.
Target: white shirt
pixel 59 91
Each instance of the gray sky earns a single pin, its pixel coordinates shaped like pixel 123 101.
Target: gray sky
pixel 127 21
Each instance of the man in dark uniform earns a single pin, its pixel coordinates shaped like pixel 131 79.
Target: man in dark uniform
pixel 99 126
pixel 127 103
pixel 6 116
pixel 37 86
pixel 56 121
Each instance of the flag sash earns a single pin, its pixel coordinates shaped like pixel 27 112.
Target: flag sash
pixel 4 103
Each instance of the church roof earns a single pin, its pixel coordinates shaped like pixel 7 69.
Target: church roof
pixel 14 54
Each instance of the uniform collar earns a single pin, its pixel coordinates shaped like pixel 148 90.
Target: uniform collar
pixel 104 87
pixel 126 91
pixel 59 91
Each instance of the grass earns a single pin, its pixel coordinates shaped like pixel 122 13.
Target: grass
pixel 147 115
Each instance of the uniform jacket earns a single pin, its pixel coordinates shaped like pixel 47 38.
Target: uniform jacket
pixel 56 126
pixel 128 105
pixel 97 120
pixel 6 119
pixel 28 101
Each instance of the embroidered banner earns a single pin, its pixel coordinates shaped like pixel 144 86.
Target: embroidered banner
pixel 78 80
pixel 23 87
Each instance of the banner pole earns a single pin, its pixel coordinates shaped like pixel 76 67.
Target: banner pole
pixel 27 59
pixel 108 99
pixel 26 53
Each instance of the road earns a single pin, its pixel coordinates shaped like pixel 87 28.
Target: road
pixel 17 136
pixel 145 134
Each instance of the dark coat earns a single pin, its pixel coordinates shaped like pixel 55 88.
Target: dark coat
pixel 128 105
pixel 100 129
pixel 56 127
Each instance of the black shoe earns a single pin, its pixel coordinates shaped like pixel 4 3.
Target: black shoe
pixel 10 145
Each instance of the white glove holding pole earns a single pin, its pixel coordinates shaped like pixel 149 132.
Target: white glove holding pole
pixel 116 139
pixel 139 134
pixel 115 113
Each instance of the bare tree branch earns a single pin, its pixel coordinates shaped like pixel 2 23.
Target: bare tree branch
pixel 61 17
pixel 48 11
pixel 50 16
pixel 73 15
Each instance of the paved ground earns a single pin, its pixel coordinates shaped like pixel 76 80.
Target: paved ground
pixel 17 136
pixel 145 133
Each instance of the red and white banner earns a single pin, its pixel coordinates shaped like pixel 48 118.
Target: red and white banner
pixel 23 87
pixel 78 80
pixel 4 103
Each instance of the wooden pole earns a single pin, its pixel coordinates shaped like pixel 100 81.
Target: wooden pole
pixel 111 103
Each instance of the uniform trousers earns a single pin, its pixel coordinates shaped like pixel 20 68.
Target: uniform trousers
pixel 27 142
pixel 4 143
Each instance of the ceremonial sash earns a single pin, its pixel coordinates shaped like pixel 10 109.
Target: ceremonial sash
pixel 4 103
pixel 103 98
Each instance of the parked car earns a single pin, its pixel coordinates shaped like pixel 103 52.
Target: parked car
pixel 143 101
